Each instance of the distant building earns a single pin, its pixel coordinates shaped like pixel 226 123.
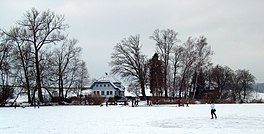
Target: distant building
pixel 108 86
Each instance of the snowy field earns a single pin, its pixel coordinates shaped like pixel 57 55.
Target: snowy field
pixel 232 119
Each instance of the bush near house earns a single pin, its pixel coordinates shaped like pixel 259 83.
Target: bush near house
pixel 92 99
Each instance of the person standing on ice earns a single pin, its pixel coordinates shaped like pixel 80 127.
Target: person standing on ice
pixel 213 110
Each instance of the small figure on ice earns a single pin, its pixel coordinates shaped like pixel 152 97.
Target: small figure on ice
pixel 15 104
pixel 213 110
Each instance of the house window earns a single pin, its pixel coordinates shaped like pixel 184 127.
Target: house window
pixel 111 92
pixel 94 92
pixel 97 92
pixel 102 92
pixel 96 85
pixel 100 85
pixel 107 92
pixel 104 85
pixel 108 85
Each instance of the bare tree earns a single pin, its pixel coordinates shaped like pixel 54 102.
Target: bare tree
pixel 49 78
pixel 178 52
pixel 134 87
pixel 5 68
pixel 40 29
pixel 22 54
pixel 165 41
pixel 221 78
pixel 245 82
pixel 187 61
pixel 203 57
pixel 129 62
pixel 79 77
pixel 62 57
pixel 33 66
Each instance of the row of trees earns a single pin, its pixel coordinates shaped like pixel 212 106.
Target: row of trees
pixel 37 58
pixel 182 70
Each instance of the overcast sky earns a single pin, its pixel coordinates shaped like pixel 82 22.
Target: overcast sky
pixel 234 28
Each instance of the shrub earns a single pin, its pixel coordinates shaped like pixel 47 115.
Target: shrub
pixel 257 101
pixel 93 99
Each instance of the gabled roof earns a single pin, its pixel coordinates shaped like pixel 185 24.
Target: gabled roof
pixel 109 79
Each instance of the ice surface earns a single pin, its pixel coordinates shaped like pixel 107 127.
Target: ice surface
pixel 164 119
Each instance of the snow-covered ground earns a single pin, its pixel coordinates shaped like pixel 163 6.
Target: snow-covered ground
pixel 165 119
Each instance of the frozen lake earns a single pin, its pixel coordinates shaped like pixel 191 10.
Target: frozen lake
pixel 166 119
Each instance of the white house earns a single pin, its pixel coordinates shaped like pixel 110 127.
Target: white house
pixel 108 86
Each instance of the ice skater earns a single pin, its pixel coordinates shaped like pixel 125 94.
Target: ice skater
pixel 213 110
pixel 15 104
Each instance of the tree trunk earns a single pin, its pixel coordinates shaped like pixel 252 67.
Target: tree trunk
pixel 182 82
pixel 195 84
pixel 38 80
pixel 61 94
pixel 142 84
pixel 165 82
pixel 28 90
pixel 27 81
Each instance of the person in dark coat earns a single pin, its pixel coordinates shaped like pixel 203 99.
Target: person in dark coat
pixel 213 110
pixel 15 104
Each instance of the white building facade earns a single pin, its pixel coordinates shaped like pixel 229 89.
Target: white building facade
pixel 106 87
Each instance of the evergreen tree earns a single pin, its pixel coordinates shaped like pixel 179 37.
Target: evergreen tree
pixel 156 76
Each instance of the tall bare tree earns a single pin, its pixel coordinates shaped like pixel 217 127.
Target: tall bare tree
pixel 23 54
pixel 178 52
pixel 80 76
pixel 187 61
pixel 165 41
pixel 129 62
pixel 203 58
pixel 61 59
pixel 5 68
pixel 40 29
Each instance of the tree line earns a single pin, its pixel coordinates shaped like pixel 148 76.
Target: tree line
pixel 178 69
pixel 39 59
